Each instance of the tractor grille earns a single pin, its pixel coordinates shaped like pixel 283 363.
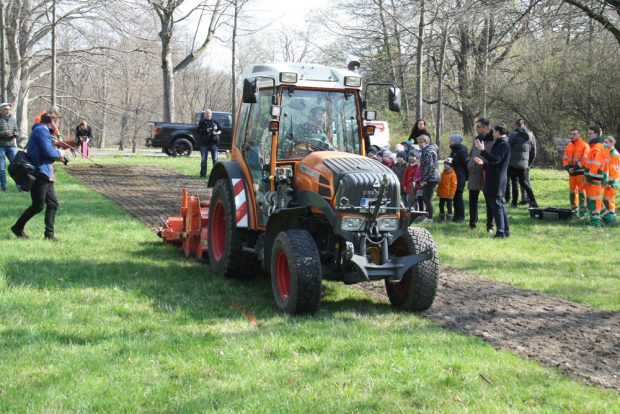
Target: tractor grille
pixel 354 178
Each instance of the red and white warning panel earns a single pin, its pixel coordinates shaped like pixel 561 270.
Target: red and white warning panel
pixel 241 202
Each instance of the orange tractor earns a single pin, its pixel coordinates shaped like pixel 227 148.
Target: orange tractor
pixel 300 197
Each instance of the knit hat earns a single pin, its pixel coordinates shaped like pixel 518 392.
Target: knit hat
pixel 398 148
pixel 414 153
pixel 456 138
pixel 448 161
pixel 3 104
pixel 387 153
pixel 401 154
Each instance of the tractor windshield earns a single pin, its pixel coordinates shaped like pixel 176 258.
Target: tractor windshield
pixel 317 121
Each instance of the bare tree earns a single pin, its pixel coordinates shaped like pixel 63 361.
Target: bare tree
pixel 607 13
pixel 166 10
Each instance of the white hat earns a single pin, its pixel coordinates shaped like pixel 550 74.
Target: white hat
pixel 3 104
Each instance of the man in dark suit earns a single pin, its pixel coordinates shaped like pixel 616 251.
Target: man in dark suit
pixel 496 166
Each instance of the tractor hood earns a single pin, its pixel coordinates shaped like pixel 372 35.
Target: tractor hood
pixel 339 174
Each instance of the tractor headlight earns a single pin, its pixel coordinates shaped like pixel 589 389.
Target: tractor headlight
pixel 388 224
pixel 352 223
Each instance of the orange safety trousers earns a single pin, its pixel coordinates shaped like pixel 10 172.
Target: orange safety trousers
pixel 594 192
pixel 576 184
pixel 609 195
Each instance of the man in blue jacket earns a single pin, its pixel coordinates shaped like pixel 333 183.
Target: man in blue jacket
pixel 496 166
pixel 42 154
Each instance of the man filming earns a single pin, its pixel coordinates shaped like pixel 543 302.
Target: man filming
pixel 42 155
pixel 208 132
pixel 8 145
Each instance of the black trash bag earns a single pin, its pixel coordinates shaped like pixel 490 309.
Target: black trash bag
pixel 22 171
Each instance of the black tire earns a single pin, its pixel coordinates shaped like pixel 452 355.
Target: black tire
pixel 416 291
pixel 181 147
pixel 296 272
pixel 226 256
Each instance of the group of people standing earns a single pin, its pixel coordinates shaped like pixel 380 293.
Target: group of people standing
pixel 594 174
pixel 497 161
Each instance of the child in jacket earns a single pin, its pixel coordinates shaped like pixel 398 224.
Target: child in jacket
pixel 446 190
pixel 408 179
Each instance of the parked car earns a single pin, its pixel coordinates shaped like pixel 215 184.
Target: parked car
pixel 179 139
pixel 381 138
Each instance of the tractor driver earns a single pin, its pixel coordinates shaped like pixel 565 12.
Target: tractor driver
pixel 314 131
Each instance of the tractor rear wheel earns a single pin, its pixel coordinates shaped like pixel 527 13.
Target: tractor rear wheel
pixel 296 272
pixel 416 291
pixel 226 255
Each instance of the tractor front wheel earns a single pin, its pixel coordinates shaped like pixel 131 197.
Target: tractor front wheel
pixel 416 291
pixel 226 254
pixel 296 272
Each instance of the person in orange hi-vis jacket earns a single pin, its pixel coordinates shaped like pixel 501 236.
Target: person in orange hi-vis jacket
pixel 596 167
pixel 613 180
pixel 574 155
pixel 446 190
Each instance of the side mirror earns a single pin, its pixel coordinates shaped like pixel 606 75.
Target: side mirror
pixel 370 115
pixel 394 99
pixel 249 91
pixel 369 130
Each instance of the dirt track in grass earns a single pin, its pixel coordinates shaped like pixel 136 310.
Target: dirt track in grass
pixel 578 340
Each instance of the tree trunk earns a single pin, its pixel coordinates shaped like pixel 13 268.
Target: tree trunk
pixel 442 57
pixel 53 80
pixel 104 115
pixel 400 69
pixel 386 41
pixel 487 34
pixel 419 57
pixel 233 80
pixel 2 54
pixel 21 113
pixel 168 83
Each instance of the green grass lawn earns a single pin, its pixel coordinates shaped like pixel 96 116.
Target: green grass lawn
pixel 560 258
pixel 111 320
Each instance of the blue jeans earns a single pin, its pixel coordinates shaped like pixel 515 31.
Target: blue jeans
pixel 204 151
pixel 8 152
pixel 500 216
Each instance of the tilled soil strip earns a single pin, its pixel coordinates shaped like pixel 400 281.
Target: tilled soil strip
pixel 580 341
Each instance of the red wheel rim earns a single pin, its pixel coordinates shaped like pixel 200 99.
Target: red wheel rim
pixel 218 231
pixel 283 276
pixel 399 288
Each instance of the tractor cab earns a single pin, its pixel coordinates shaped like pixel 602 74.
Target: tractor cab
pixel 290 111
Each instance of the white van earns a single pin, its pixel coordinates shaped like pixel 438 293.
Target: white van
pixel 381 138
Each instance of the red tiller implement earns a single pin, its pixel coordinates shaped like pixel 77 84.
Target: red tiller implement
pixel 190 228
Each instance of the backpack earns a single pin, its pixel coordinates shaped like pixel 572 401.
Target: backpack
pixel 22 171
